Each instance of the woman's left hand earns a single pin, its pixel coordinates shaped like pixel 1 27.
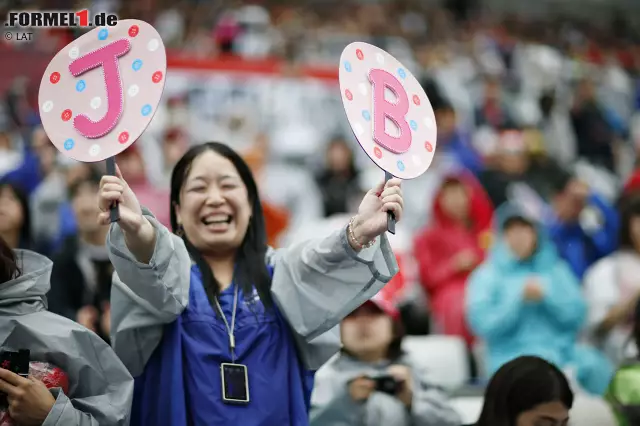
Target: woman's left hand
pixel 29 399
pixel 402 374
pixel 371 220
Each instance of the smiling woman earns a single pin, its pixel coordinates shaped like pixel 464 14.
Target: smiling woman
pixel 217 327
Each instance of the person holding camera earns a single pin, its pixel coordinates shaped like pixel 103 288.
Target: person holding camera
pixel 100 389
pixel 372 382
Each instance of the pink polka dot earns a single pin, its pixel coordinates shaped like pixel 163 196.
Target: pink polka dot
pixel 66 115
pixel 348 94
pixel 54 77
pixel 416 100
pixel 377 152
pixel 133 31
pixel 359 54
pixel 157 77
pixel 428 146
pixel 123 137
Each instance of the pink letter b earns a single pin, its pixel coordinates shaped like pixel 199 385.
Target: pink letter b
pixel 107 58
pixel 396 112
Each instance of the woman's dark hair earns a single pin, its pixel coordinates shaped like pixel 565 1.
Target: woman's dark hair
pixel 519 386
pixel 25 232
pixel 8 264
pixel 251 270
pixel 629 208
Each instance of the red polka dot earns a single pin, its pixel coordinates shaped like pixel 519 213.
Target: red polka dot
pixel 428 146
pixel 133 31
pixel 359 54
pixel 54 77
pixel 123 137
pixel 157 77
pixel 377 152
pixel 348 94
pixel 66 115
pixel 416 100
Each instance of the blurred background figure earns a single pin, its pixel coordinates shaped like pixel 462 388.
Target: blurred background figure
pixel 612 289
pixel 451 248
pixel 15 217
pixel 584 226
pixel 372 382
pixel 624 391
pixel 81 276
pixel 525 300
pixel 339 179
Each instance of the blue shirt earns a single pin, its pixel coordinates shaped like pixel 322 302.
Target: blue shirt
pixel 181 384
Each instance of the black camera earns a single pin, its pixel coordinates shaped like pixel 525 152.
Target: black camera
pixel 387 384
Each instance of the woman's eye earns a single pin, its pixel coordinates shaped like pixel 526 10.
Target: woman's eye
pixel 228 186
pixel 197 189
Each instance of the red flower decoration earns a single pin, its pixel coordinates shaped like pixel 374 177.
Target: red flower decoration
pixel 66 115
pixel 416 100
pixel 359 54
pixel 378 152
pixel 157 77
pixel 54 77
pixel 133 31
pixel 428 146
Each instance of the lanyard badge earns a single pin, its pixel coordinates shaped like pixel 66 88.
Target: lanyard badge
pixel 235 377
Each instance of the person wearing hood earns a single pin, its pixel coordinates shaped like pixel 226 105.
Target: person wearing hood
pixel 451 247
pixel 100 387
pixel 525 300
pixel 372 382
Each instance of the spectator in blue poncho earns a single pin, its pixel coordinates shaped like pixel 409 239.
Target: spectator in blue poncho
pixel 525 300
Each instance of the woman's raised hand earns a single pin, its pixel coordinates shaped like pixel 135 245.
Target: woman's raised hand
pixel 114 189
pixel 371 220
pixel 139 234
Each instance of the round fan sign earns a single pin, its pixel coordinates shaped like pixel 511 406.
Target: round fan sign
pixel 100 92
pixel 388 110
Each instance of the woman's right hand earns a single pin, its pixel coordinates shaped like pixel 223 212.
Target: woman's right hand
pixel 114 189
pixel 139 234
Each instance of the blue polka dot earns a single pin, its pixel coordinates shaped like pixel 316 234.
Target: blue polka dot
pixel 81 85
pixel 400 166
pixel 68 144
pixel 146 110
pixel 402 73
pixel 347 66
pixel 103 34
pixel 414 125
pixel 137 64
pixel 366 115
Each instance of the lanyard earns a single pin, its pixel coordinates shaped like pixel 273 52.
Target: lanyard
pixel 232 340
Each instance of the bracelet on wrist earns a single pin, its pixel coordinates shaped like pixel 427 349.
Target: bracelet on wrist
pixel 353 238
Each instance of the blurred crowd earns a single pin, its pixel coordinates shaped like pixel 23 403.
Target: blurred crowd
pixel 523 238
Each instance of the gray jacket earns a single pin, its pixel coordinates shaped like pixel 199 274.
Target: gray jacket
pixel 331 404
pixel 100 388
pixel 315 285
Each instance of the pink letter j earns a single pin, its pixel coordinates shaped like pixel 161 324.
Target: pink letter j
pixel 107 58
